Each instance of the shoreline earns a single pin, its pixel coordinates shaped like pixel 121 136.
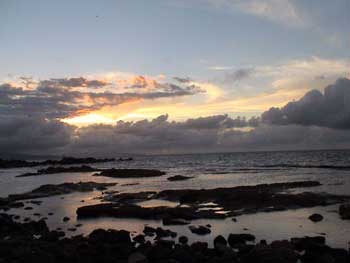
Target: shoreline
pixel 34 242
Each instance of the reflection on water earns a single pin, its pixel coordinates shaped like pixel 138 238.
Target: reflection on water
pixel 157 203
pixel 209 171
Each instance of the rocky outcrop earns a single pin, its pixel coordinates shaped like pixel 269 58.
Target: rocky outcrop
pixel 179 178
pixel 59 189
pixel 60 169
pixel 7 164
pixel 134 211
pixel 130 173
pixel 316 218
pixel 203 203
pixel 200 230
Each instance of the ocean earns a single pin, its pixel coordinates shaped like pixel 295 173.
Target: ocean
pixel 330 167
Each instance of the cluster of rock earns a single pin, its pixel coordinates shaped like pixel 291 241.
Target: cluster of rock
pixel 6 164
pixel 34 242
pixel 233 201
pixel 61 169
pixel 12 201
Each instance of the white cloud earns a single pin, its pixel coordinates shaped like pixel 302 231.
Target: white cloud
pixel 281 11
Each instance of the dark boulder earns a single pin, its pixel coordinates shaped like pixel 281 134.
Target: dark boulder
pixel 183 240
pixel 200 230
pixel 316 218
pixel 235 239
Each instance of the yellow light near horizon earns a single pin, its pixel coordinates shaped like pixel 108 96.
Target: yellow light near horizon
pixel 88 119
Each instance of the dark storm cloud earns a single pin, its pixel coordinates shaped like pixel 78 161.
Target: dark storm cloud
pixel 330 109
pixel 316 121
pixel 30 135
pixel 220 122
pixel 208 134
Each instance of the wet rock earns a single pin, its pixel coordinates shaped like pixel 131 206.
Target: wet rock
pixel 179 178
pixel 6 164
pixel 65 188
pixel 129 198
pixel 134 211
pixel 139 238
pixel 200 230
pixel 160 232
pixel 60 169
pixel 344 211
pixel 266 254
pixel 130 173
pixel 199 246
pixel 149 231
pixel 316 218
pixel 110 236
pixel 34 242
pixel 137 257
pixel 183 240
pixel 248 199
pixel 220 243
pixel 236 239
pixel 305 243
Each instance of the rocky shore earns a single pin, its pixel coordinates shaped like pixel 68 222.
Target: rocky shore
pixel 34 242
pixel 218 203
pixel 47 190
pixel 8 164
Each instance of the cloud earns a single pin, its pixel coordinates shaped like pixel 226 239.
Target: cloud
pixel 62 98
pixel 331 109
pixel 220 68
pixel 74 82
pixel 318 120
pixel 24 134
pixel 238 75
pixel 182 80
pixel 280 11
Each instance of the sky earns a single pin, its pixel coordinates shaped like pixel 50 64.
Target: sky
pixel 174 76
